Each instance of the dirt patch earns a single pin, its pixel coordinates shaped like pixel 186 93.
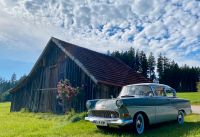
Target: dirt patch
pixel 196 109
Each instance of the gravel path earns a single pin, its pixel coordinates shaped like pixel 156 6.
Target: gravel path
pixel 196 109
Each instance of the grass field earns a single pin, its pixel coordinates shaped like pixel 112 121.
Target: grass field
pixel 194 97
pixel 25 124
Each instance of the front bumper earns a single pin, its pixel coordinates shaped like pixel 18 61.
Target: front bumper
pixel 110 121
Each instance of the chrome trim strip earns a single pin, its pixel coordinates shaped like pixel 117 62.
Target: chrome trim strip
pixel 110 121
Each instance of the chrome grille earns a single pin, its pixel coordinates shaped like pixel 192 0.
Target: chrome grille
pixel 104 113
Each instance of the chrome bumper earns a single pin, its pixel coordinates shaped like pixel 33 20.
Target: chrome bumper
pixel 110 121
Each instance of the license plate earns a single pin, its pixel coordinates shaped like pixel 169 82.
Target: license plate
pixel 100 123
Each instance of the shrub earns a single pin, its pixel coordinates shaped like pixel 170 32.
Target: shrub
pixel 77 117
pixel 70 114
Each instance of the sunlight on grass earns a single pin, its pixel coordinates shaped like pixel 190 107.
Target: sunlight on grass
pixel 25 124
pixel 194 97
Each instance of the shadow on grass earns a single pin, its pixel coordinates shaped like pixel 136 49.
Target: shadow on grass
pixel 167 129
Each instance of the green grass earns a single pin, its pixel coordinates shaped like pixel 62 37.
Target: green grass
pixel 25 124
pixel 194 97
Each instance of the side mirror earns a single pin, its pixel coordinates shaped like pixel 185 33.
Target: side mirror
pixel 111 96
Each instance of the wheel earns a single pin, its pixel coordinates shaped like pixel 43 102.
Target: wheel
pixel 139 124
pixel 180 117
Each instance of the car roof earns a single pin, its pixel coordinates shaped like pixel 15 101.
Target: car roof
pixel 150 84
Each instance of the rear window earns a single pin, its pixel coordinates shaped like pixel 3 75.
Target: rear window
pixel 170 93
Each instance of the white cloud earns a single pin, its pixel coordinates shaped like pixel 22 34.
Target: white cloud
pixel 17 38
pixel 168 26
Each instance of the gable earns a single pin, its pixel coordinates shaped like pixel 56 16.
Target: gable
pixel 99 67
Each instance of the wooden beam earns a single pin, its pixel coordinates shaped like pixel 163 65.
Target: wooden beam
pixel 75 60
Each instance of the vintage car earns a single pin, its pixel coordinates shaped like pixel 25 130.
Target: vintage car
pixel 138 105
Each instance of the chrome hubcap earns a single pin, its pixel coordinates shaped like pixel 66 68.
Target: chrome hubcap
pixel 140 124
pixel 180 118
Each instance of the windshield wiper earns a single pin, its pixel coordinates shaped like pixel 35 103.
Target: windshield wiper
pixel 127 96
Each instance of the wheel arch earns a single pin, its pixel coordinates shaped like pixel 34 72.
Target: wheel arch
pixel 146 118
pixel 182 111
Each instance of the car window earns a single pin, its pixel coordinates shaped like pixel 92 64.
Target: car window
pixel 139 90
pixel 170 93
pixel 160 91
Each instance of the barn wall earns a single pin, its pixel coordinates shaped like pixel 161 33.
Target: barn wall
pixel 39 92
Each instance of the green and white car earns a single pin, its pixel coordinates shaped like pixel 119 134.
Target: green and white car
pixel 138 105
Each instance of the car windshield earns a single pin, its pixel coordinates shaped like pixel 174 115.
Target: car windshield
pixel 135 90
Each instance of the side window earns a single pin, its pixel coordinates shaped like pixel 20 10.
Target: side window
pixel 170 93
pixel 160 91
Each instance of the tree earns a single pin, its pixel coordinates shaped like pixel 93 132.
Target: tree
pixel 166 63
pixel 116 54
pixel 137 61
pixel 131 57
pixel 144 64
pixel 160 66
pixel 151 66
pixel 108 53
pixel 183 78
pixel 13 79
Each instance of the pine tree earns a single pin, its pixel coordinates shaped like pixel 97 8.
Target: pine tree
pixel 166 63
pixel 151 66
pixel 131 57
pixel 137 61
pixel 160 66
pixel 144 64
pixel 108 53
pixel 13 79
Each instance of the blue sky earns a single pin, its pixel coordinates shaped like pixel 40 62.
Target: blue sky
pixel 171 27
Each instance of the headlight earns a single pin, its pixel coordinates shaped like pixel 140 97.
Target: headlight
pixel 88 104
pixel 119 103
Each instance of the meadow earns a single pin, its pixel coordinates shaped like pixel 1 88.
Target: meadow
pixel 26 124
pixel 194 97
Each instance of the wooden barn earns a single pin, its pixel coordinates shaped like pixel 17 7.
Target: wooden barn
pixel 98 75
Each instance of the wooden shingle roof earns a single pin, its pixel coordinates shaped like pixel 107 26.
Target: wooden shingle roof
pixel 104 68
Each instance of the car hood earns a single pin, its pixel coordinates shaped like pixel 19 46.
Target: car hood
pixel 106 104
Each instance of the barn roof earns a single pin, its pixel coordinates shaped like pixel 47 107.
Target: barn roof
pixel 101 68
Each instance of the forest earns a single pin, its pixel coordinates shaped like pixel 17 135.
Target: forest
pixel 161 69
pixel 5 85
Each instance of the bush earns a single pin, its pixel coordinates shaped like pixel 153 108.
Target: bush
pixel 70 114
pixel 77 117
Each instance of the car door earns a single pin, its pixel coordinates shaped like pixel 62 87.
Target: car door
pixel 171 95
pixel 163 105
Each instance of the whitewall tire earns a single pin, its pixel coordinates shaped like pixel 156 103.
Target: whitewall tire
pixel 139 124
pixel 180 117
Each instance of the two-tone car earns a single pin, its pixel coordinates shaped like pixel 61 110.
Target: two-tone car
pixel 138 105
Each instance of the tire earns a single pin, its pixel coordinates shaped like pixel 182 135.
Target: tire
pixel 139 124
pixel 180 117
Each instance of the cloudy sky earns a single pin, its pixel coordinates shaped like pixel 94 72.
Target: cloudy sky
pixel 171 27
